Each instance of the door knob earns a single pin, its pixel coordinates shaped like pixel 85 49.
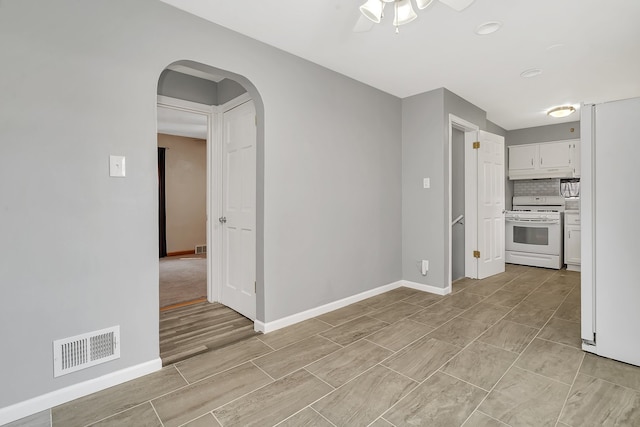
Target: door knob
pixel 222 219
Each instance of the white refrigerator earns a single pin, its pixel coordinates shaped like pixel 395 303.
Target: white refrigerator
pixel 610 211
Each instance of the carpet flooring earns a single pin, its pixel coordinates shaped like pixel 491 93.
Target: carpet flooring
pixel 182 278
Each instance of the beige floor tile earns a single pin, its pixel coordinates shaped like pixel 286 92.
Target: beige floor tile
pixel 293 357
pixel 294 333
pixel 556 361
pixel 611 370
pixel 563 332
pixel 485 313
pixel 485 288
pixel 405 293
pixel 142 416
pixel 345 314
pixel 361 401
pixel 569 310
pixel 396 311
pixel 529 315
pixel 40 419
pixel 506 298
pixel 545 300
pixel 400 334
pixel 518 286
pixel 480 364
pixel 381 422
pixel 463 300
pixel 207 420
pixel 353 330
pixel 212 362
pixel 478 419
pixel 523 398
pixel 594 402
pixel 459 331
pixel 383 300
pixel 436 315
pixel 204 396
pixel 306 418
pixel 462 284
pixel 440 401
pixel 426 299
pixel 349 362
pixel 96 406
pixel 422 358
pixel 269 405
pixel 509 336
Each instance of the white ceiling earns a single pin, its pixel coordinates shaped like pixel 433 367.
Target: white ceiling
pixel 588 50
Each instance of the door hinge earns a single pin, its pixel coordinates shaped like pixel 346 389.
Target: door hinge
pixel 476 254
pixel 476 145
pixel 255 287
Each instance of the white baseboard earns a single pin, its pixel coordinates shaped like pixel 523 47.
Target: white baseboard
pixel 317 311
pixel 426 288
pixel 67 394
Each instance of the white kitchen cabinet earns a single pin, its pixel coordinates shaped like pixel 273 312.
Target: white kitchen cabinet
pixel 523 157
pixel 572 237
pixel 575 158
pixel 557 159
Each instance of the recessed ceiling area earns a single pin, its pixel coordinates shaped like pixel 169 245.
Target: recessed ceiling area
pixel 587 49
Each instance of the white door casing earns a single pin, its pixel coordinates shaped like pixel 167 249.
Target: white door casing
pixel 239 209
pixel 491 227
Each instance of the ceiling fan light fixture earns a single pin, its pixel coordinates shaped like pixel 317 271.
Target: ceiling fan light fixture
pixel 423 4
pixel 404 12
pixel 372 10
pixel 562 111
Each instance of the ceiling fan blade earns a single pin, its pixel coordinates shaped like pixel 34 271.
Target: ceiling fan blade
pixel 363 24
pixel 457 5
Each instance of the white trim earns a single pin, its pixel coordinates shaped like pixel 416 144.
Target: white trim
pixel 456 122
pixel 239 100
pixel 49 400
pixel 426 288
pixel 181 104
pixel 266 327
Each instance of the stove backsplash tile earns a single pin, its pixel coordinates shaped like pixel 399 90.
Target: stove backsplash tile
pixel 536 187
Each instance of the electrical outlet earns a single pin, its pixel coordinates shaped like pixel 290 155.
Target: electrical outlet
pixel 425 266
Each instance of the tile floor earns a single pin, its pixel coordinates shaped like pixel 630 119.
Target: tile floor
pixel 496 352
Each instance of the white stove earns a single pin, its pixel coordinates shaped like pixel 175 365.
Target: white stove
pixel 534 231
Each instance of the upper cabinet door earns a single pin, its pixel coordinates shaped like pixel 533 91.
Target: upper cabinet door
pixel 555 154
pixel 522 157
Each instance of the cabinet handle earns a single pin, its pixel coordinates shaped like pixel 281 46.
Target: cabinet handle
pixel 569 233
pixel 532 161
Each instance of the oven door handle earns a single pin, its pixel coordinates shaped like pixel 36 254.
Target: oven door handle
pixel 533 221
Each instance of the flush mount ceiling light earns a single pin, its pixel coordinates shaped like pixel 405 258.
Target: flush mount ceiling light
pixel 531 72
pixel 563 111
pixel 403 9
pixel 488 28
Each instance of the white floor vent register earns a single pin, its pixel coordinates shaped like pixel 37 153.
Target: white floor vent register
pixel 85 350
pixel 201 249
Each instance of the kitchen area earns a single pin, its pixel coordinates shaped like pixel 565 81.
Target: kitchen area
pixel 542 221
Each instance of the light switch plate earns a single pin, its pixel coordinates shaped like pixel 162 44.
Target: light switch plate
pixel 117 166
pixel 426 183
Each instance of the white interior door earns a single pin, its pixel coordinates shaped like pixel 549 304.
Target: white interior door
pixel 490 179
pixel 239 210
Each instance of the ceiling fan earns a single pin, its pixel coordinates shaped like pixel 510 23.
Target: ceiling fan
pixel 373 11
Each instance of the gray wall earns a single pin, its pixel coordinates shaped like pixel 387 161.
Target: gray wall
pixel 194 89
pixel 229 89
pixel 79 248
pixel 190 88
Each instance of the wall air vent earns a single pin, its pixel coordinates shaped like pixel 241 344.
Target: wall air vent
pixel 85 350
pixel 201 249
